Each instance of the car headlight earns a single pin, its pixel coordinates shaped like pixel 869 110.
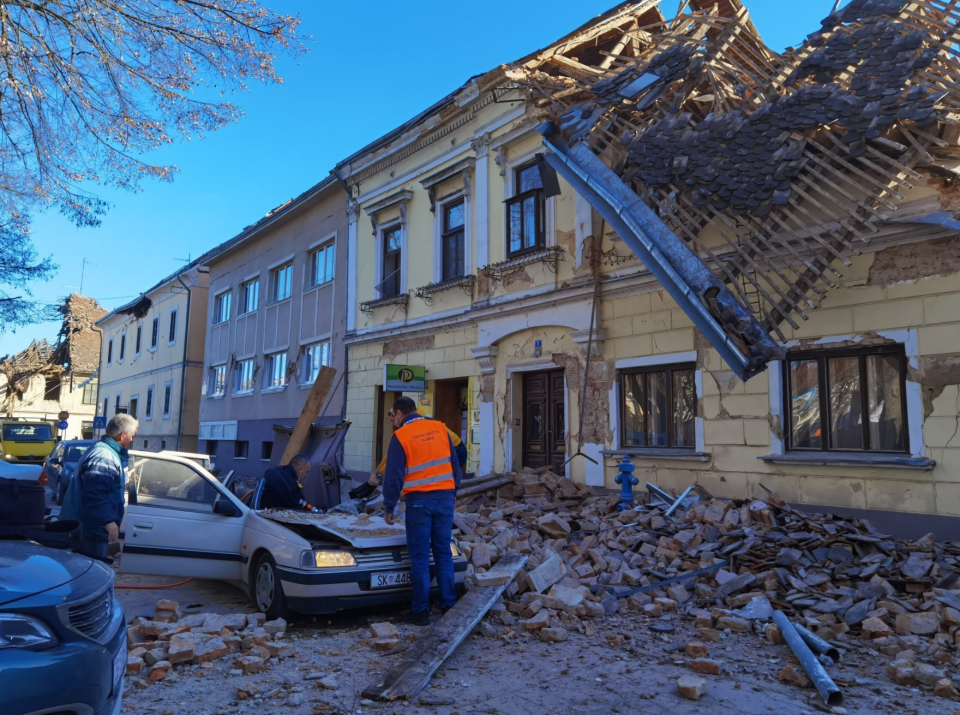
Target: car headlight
pixel 327 559
pixel 454 550
pixel 20 631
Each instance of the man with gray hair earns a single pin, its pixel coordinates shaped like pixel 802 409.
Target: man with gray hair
pixel 95 495
pixel 281 487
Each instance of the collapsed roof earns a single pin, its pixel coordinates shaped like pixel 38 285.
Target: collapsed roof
pixel 742 178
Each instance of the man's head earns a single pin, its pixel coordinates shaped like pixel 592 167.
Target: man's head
pixel 301 465
pixel 122 428
pixel 402 407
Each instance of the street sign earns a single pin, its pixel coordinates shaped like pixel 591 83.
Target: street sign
pixel 404 378
pixel 100 422
pixel 64 415
pixel 62 424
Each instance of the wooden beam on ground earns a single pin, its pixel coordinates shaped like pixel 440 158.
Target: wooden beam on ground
pixel 310 412
pixel 409 676
pixel 484 486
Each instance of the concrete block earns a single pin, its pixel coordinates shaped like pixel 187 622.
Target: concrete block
pixel 833 491
pixel 787 486
pixel 673 341
pixel 679 319
pixel 652 322
pixel 723 431
pixel 711 406
pixel 746 405
pixel 938 340
pixel 836 321
pixel 454 353
pixel 635 346
pixel 440 371
pixel 927 286
pixel 756 432
pixel 889 314
pixel 852 295
pixel 444 339
pixel 633 305
pixel 661 300
pixel 948 499
pixel 466 368
pixel 466 337
pixel 729 485
pixel 941 309
pixel 618 327
pixel 740 460
pixel 916 497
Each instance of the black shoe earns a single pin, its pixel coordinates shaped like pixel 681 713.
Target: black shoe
pixel 444 609
pixel 417 619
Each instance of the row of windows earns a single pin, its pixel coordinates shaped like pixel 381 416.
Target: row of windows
pixel 843 400
pixel 241 449
pixel 275 371
pixel 133 405
pixel 320 269
pixel 525 216
pixel 154 338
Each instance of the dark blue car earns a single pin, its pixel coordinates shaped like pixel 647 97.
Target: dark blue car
pixel 62 463
pixel 63 636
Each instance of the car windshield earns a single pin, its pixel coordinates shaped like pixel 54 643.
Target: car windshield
pixel 75 452
pixel 27 433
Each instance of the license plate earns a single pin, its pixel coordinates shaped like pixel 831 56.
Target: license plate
pixel 390 579
pixel 120 663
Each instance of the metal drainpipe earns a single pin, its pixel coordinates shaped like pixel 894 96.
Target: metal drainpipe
pixel 183 365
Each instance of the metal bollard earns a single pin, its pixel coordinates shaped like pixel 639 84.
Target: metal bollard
pixel 627 482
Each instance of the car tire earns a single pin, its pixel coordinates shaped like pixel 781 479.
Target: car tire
pixel 266 591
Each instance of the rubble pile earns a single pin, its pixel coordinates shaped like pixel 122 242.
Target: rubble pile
pixel 838 577
pixel 172 640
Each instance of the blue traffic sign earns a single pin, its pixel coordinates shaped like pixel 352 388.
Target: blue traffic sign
pixel 62 424
pixel 100 422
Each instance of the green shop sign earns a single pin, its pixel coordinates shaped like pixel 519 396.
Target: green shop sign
pixel 404 378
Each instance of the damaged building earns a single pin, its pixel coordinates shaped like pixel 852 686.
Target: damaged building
pixel 660 238
pixel 41 381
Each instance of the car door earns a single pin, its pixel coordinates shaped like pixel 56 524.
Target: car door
pixel 179 521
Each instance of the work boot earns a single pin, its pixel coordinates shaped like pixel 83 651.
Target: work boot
pixel 417 619
pixel 444 609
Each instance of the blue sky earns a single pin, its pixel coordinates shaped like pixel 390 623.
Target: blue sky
pixel 370 67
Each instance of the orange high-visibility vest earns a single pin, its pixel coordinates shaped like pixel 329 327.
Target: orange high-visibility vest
pixel 429 462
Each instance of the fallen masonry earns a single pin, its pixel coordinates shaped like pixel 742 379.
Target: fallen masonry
pixel 726 563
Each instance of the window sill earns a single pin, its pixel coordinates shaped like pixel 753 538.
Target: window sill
pixel 317 285
pixel 684 455
pixel 278 302
pixel 272 390
pixel 891 461
pixel 148 418
pixel 550 256
pixel 215 397
pixel 166 417
pixel 306 386
pixel 402 300
pixel 243 394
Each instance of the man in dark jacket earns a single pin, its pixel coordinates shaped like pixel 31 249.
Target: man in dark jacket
pixel 97 502
pixel 281 487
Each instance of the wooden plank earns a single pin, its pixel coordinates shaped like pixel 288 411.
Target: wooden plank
pixel 409 676
pixel 479 488
pixel 310 412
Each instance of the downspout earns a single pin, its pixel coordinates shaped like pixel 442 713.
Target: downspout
pixel 183 367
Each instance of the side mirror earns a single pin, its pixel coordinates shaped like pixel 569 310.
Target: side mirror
pixel 224 507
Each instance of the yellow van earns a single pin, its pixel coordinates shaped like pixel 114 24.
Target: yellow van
pixel 26 442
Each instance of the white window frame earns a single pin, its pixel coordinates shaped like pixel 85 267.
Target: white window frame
pixel 510 190
pixel 269 370
pixel 130 403
pixel 463 194
pixel 174 317
pixel 213 381
pixel 689 356
pixel 167 409
pixel 154 345
pixel 242 305
pixel 218 298
pixel 149 404
pixel 110 351
pixel 122 355
pixel 914 395
pixel 138 341
pixel 308 380
pixel 271 284
pixel 328 242
pixel 236 377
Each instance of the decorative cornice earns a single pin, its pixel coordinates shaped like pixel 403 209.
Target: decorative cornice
pixel 487 358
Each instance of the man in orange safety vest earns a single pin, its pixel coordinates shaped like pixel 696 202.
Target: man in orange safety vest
pixel 422 464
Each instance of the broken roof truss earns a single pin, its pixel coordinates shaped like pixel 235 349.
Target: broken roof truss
pixel 742 178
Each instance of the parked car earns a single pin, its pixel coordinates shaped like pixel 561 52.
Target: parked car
pixel 63 636
pixel 25 442
pixel 181 521
pixel 62 463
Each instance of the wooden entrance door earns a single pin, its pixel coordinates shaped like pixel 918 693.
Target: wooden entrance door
pixel 544 421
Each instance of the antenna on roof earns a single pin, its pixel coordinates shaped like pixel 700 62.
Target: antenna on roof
pixel 188 259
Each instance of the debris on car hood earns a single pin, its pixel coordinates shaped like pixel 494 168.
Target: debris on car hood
pixel 362 532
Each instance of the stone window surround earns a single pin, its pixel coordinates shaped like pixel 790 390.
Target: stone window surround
pixel 464 169
pixel 400 199
pixel 916 459
pixel 508 172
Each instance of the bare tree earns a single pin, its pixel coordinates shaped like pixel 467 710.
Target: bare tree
pixel 87 87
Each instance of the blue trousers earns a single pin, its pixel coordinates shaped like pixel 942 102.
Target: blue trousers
pixel 94 549
pixel 429 528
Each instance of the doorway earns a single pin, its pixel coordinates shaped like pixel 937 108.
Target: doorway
pixel 451 404
pixel 544 421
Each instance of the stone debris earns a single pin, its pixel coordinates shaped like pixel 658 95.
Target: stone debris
pixel 692 687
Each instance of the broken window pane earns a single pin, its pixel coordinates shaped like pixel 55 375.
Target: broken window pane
pixel 805 405
pixel 657 413
pixel 633 411
pixel 685 409
pixel 885 403
pixel 846 407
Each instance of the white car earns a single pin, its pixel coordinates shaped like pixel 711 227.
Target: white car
pixel 181 521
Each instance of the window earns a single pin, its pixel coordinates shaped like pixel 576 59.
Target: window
pixel 167 399
pixel 212 447
pixel 163 444
pixel 145 444
pixel 116 407
pixel 148 409
pixel 321 265
pixel 659 407
pixel 241 449
pixel 847 400
pixel 110 351
pixel 134 406
pixel 280 279
pixel 136 347
pixel 123 346
pixel 172 335
pixel 51 389
pixel 314 356
pixel 452 240
pixel 218 380
pixel 250 296
pixel 171 485
pixel 275 376
pixel 266 451
pixel 392 250
pixel 525 212
pixel 221 308
pixel 155 334
pixel 243 377
pixel 106 406
pixel 90 392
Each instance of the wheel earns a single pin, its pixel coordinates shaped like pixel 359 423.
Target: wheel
pixel 58 494
pixel 266 591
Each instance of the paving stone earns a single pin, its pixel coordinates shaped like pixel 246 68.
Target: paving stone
pixel 691 687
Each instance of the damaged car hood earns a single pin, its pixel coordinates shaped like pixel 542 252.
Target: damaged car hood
pixel 362 532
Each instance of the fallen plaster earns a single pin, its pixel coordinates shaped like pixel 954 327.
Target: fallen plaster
pixel 408 345
pixel 913 262
pixel 937 371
